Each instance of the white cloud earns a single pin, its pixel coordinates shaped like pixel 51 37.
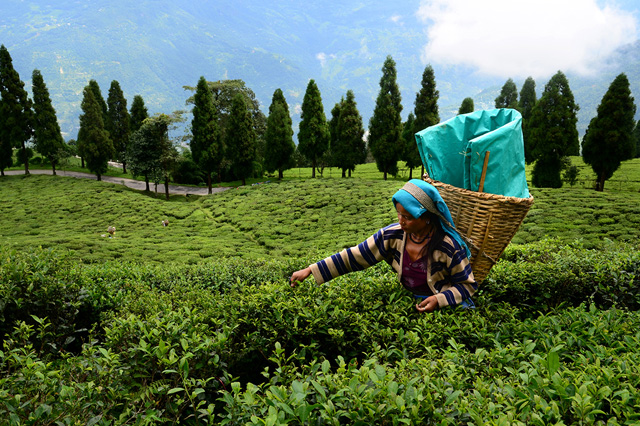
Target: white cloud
pixel 322 57
pixel 396 19
pixel 518 38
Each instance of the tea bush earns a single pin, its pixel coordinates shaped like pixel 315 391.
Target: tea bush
pixel 273 220
pixel 231 342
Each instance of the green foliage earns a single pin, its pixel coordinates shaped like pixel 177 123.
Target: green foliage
pixel 546 172
pixel 609 137
pixel 118 123
pixel 97 94
pixel 466 106
pixel 94 143
pixel 279 146
pixel 552 132
pixel 636 137
pixel 231 341
pixel 552 273
pixel 151 151
pixel 313 136
pixel 508 97
pixel 348 147
pixel 206 144
pixel 224 92
pixel 23 156
pixel 187 171
pixel 15 110
pixel 527 101
pixel 385 126
pixel 426 103
pixel 241 139
pixel 138 113
pixel 46 131
pixel 410 154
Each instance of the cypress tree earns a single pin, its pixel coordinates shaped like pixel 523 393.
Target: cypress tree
pixel 527 101
pixel 385 126
pixel 6 149
pixel 636 137
pixel 241 139
pixel 279 146
pixel 118 122
pixel 426 105
pixel 508 97
pixel 313 135
pixel 552 131
pixel 350 150
pixel 17 124
pixel 410 154
pixel 466 106
pixel 97 93
pixel 47 136
pixel 426 114
pixel 137 114
pixel 206 144
pixel 334 137
pixel 609 138
pixel 97 148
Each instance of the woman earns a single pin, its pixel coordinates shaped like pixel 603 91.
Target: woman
pixel 424 249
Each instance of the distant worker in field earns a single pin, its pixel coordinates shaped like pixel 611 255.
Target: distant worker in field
pixel 430 257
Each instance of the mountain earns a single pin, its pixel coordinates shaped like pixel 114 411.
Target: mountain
pixel 155 47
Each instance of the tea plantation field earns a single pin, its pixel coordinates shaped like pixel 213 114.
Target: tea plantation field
pixel 195 323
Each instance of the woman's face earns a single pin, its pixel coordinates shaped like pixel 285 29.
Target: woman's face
pixel 410 224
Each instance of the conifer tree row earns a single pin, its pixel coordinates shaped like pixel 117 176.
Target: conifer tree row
pixel 240 139
pixel 609 138
pixel 552 132
pixel 207 147
pixel 467 106
pixel 508 97
pixel 527 101
pixel 385 126
pixel 118 124
pixel 348 148
pixel 94 143
pixel 279 146
pixel 16 126
pixel 47 137
pixel 425 115
pixel 313 136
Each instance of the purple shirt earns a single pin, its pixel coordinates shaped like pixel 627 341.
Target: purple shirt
pixel 414 275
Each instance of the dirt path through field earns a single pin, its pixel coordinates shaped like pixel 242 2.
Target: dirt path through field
pixel 130 183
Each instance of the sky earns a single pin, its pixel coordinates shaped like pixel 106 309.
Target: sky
pixel 521 38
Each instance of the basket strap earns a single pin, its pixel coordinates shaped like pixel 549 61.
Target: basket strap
pixel 423 199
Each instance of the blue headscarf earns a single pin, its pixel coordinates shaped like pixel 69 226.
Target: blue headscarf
pixel 418 197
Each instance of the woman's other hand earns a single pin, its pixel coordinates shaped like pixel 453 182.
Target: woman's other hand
pixel 429 304
pixel 299 276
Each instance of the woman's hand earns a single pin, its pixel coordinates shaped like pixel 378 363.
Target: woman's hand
pixel 429 304
pixel 299 276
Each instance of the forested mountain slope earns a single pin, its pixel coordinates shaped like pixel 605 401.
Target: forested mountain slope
pixel 155 47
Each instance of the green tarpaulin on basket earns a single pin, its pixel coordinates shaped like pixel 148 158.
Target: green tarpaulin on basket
pixel 453 151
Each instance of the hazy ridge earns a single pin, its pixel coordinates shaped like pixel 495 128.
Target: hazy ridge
pixel 155 47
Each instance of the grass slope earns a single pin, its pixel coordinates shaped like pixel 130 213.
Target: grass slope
pixel 295 217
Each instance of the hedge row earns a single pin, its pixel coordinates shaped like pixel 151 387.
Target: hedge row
pixel 231 342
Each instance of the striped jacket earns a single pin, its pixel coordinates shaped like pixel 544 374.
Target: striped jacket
pixel 449 275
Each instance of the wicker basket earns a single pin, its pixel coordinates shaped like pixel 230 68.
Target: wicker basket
pixel 487 222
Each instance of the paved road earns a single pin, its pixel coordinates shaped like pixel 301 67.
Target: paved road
pixel 130 183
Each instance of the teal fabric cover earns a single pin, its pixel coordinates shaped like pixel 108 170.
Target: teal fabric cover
pixel 453 151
